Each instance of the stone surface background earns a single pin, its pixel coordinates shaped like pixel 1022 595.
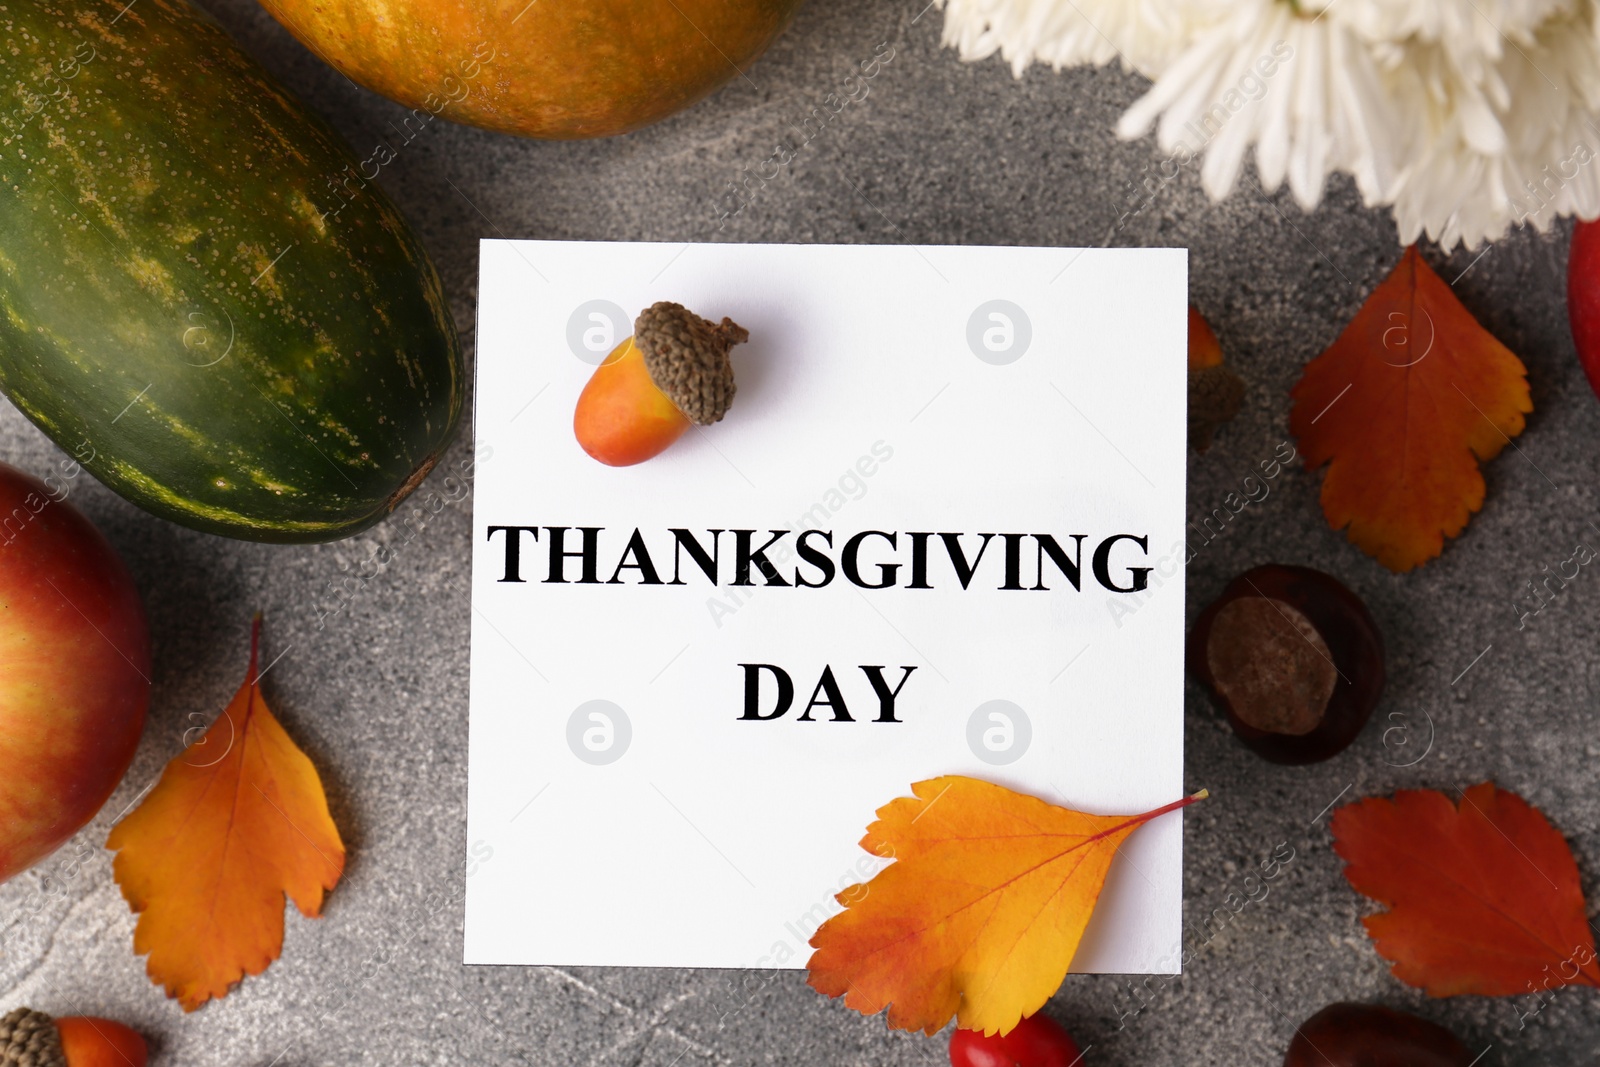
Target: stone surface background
pixel 939 152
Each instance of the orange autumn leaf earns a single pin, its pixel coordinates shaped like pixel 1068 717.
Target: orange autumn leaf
pixel 1483 897
pixel 1403 407
pixel 238 820
pixel 980 913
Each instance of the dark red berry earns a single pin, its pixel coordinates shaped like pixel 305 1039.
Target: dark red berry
pixel 1367 1035
pixel 1583 297
pixel 1037 1041
pixel 1293 659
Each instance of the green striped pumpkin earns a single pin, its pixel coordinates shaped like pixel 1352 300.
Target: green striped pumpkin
pixel 203 299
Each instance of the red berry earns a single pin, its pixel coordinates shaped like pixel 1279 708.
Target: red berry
pixel 1583 297
pixel 100 1043
pixel 1037 1041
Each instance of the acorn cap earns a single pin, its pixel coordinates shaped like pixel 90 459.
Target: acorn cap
pixel 687 358
pixel 29 1038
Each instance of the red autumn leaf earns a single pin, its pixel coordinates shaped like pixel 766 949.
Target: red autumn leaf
pixel 1483 897
pixel 1402 408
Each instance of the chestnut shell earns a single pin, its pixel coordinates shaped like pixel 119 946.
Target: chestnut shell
pixel 1369 1035
pixel 1352 638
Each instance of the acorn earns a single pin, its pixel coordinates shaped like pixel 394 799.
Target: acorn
pixel 673 373
pixel 1215 392
pixel 31 1038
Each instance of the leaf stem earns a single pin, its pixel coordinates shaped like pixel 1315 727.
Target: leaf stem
pixel 1156 813
pixel 255 645
pixel 1174 806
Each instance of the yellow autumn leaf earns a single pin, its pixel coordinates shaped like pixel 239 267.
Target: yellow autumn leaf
pixel 980 913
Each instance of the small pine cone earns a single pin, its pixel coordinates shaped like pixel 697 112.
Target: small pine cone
pixel 687 358
pixel 29 1038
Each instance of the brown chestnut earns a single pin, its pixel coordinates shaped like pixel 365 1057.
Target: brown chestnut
pixel 1293 659
pixel 1368 1035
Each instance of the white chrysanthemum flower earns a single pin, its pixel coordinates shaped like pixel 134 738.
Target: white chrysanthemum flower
pixel 1144 34
pixel 1463 27
pixel 1305 94
pixel 1465 116
pixel 1524 152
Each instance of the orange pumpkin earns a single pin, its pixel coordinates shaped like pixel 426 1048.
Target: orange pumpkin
pixel 540 68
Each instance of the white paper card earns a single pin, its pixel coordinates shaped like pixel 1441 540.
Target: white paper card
pixel 626 806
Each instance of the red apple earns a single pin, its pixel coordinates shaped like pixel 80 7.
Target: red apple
pixel 1583 297
pixel 74 670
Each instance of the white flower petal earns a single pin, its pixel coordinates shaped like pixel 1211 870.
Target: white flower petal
pixel 1464 116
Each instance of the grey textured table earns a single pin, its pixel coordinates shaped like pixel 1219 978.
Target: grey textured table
pixel 938 152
